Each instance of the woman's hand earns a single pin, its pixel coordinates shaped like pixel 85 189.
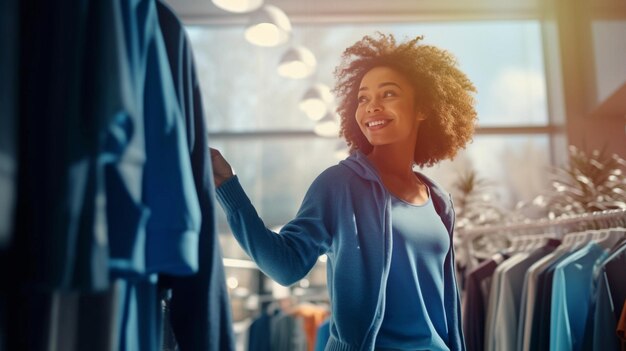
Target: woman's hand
pixel 221 169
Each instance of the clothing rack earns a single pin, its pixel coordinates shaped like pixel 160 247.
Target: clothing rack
pixel 557 226
pixel 538 292
pixel 563 222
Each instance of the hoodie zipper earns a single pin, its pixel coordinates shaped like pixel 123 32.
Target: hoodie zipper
pixel 379 313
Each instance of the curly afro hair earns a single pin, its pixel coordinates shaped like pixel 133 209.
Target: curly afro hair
pixel 443 94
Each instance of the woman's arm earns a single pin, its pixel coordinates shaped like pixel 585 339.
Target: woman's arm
pixel 286 256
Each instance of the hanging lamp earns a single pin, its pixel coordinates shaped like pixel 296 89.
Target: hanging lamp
pixel 268 26
pixel 238 6
pixel 316 101
pixel 296 63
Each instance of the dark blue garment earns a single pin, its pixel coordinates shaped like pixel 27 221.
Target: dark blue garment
pixel 615 267
pixel 127 215
pixel 9 59
pixel 540 334
pixel 139 314
pixel 475 303
pixel 601 323
pixel 168 184
pixel 154 209
pixel 80 321
pixel 259 333
pixel 608 303
pixel 154 212
pixel 200 307
pixel 70 93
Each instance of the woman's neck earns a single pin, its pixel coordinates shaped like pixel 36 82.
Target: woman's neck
pixel 395 168
pixel 390 161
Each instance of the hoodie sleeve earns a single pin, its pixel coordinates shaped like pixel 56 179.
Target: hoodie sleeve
pixel 286 256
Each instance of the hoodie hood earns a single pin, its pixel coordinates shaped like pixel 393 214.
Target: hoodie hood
pixel 361 165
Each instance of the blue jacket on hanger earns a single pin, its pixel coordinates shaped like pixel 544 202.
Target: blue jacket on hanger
pixel 200 308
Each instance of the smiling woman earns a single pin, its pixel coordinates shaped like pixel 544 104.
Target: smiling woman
pixel 386 229
pixel 442 94
pixel 386 107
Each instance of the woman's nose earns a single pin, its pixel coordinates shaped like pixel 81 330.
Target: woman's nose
pixel 373 106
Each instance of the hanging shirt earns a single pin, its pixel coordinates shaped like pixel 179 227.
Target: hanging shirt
pixel 200 308
pixel 494 299
pixel 259 333
pixel 600 335
pixel 571 290
pixel 507 312
pixel 414 316
pixel 540 333
pixel 169 190
pixel 475 302
pixel 152 206
pixel 608 302
pixel 530 298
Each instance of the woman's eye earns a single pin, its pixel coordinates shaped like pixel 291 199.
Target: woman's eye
pixel 362 99
pixel 389 93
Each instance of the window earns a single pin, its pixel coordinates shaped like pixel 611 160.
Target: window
pixel 252 112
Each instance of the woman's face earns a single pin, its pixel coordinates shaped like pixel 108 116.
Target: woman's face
pixel 386 108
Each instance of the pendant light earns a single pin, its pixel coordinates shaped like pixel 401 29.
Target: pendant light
pixel 268 26
pixel 315 101
pixel 296 63
pixel 238 6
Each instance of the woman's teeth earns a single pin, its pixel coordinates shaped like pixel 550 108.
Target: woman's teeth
pixel 376 123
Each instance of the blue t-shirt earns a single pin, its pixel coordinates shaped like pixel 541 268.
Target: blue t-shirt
pixel 415 316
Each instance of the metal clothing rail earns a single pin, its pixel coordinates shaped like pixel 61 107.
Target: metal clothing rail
pixel 563 221
pixel 557 226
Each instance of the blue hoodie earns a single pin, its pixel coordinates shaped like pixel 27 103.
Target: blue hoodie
pixel 343 215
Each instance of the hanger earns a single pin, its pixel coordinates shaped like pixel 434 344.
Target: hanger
pixel 609 238
pixel 574 241
pixel 533 242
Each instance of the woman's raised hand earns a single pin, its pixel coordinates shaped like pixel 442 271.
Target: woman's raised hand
pixel 221 169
